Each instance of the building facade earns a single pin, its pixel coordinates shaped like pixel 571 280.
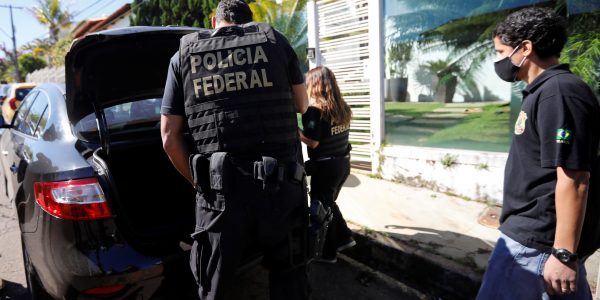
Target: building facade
pixel 429 108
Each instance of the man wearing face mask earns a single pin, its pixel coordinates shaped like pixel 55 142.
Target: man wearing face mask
pixel 541 251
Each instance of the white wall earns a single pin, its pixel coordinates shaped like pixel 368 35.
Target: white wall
pixel 477 175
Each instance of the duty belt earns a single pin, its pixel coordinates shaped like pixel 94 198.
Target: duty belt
pixel 330 158
pixel 270 171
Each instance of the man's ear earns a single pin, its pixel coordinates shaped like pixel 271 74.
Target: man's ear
pixel 527 47
pixel 213 21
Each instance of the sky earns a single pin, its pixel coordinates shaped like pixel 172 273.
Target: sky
pixel 27 28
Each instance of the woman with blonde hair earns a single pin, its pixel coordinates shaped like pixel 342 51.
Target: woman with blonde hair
pixel 326 126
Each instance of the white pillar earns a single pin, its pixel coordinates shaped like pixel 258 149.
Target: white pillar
pixel 312 17
pixel 375 69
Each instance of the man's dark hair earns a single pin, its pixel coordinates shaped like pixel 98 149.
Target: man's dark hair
pixel 234 11
pixel 542 26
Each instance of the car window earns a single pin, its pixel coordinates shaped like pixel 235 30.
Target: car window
pixel 4 90
pixel 140 113
pixel 32 119
pixel 23 110
pixel 39 132
pixel 22 92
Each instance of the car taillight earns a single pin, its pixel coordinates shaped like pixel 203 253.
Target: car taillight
pixel 81 199
pixel 104 290
pixel 13 103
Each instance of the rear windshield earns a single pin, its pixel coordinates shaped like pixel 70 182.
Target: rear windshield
pixel 22 92
pixel 130 115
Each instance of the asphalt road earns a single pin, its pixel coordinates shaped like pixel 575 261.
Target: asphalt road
pixel 346 279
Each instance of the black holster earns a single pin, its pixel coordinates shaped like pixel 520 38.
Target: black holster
pixel 320 217
pixel 199 165
pixel 272 172
pixel 209 173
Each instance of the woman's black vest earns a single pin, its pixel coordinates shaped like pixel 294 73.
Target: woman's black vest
pixel 238 96
pixel 333 143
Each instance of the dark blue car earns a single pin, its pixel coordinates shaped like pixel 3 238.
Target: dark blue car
pixel 102 212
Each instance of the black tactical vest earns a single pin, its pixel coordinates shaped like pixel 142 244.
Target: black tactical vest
pixel 333 143
pixel 238 96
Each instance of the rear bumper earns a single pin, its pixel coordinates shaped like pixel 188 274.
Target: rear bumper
pixel 72 259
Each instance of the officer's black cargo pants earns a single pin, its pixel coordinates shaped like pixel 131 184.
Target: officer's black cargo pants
pixel 251 219
pixel 326 181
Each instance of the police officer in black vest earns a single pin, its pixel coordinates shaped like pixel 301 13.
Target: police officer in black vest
pixel 236 90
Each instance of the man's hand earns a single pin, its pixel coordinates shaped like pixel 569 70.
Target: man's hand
pixel 560 278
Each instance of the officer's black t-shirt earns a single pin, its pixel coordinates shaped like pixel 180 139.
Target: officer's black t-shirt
pixel 173 101
pixel 559 125
pixel 333 138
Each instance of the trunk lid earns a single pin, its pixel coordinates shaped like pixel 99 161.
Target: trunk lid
pixel 115 66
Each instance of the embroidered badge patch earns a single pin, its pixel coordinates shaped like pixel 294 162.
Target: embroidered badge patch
pixel 563 136
pixel 520 124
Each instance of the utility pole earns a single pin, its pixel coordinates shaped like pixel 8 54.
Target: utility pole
pixel 14 41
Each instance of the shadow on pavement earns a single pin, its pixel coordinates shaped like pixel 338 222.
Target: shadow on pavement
pixel 13 291
pixel 352 181
pixel 440 263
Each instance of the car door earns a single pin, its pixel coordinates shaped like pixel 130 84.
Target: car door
pixel 12 144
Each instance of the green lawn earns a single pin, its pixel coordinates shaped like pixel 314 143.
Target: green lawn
pixel 471 126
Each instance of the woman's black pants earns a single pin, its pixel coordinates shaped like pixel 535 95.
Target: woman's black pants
pixel 328 177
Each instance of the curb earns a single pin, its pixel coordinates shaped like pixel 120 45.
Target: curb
pixel 412 292
pixel 437 277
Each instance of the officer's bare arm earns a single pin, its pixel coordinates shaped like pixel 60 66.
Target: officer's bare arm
pixel 300 97
pixel 312 144
pixel 172 128
pixel 570 201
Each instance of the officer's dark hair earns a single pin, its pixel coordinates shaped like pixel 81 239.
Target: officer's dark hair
pixel 233 11
pixel 542 26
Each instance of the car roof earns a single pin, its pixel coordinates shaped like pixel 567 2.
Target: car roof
pixel 23 85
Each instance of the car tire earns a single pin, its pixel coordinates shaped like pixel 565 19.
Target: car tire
pixel 36 290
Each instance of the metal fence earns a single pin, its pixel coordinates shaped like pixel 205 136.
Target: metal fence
pixel 344 45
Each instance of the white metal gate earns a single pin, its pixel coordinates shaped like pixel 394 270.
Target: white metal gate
pixel 349 40
pixel 344 45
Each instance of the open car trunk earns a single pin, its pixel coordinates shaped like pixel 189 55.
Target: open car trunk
pixel 154 205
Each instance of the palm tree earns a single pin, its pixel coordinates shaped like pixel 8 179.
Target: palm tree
pixel 51 14
pixel 464 29
pixel 289 18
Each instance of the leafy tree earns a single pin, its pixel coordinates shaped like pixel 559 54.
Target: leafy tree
pixel 59 50
pixel 582 52
pixel 29 63
pixel 464 29
pixel 289 18
pixel 51 14
pixel 195 13
pixel 5 72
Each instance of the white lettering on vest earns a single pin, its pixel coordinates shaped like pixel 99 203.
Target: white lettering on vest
pixel 195 61
pixel 207 85
pixel 260 54
pixel 240 77
pixel 266 82
pixel 197 86
pixel 210 61
pixel 229 82
pixel 218 84
pixel 339 129
pixel 237 53
pixel 255 79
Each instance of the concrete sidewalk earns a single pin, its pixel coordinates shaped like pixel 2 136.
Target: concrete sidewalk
pixel 435 241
